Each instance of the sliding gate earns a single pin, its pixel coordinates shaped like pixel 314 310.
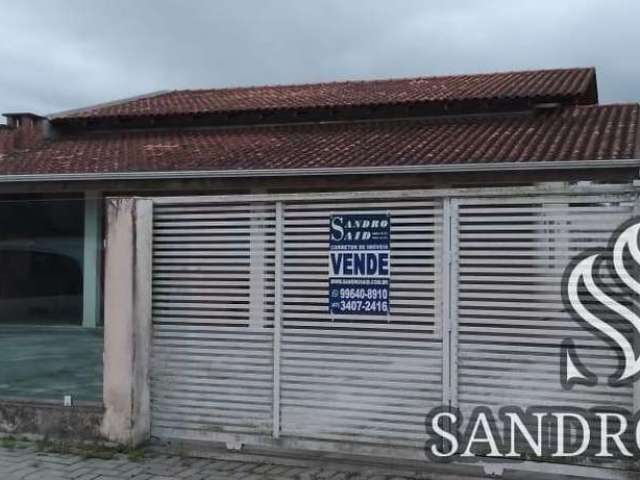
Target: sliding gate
pixel 510 318
pixel 244 345
pixel 246 349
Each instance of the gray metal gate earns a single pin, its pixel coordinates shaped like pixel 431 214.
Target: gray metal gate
pixel 245 351
pixel 361 378
pixel 510 316
pixel 510 320
pixel 212 307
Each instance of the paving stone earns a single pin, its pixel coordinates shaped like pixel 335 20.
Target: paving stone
pixel 30 464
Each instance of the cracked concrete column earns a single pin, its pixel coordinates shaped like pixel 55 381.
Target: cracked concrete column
pixel 127 320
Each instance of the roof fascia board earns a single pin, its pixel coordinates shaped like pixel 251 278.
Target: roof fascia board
pixel 552 188
pixel 294 172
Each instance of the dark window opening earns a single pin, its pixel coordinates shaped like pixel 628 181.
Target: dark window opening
pixel 41 253
pixel 47 352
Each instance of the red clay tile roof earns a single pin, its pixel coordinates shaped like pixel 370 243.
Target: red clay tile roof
pixel 575 86
pixel 572 133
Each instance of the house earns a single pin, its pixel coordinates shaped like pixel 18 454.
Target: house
pixel 186 234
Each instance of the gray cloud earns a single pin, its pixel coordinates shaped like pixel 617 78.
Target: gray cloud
pixel 57 55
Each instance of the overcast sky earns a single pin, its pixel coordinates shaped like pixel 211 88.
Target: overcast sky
pixel 62 54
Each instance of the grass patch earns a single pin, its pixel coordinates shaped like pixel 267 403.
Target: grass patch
pixel 69 447
pixel 135 455
pixel 88 450
pixel 8 442
pixel 12 442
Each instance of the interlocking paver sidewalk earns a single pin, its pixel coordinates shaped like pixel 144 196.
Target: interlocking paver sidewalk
pixel 26 463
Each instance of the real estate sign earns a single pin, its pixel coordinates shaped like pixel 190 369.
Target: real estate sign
pixel 359 264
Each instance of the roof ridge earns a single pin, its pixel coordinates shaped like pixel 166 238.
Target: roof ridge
pixel 381 122
pixel 383 80
pixel 604 105
pixel 113 103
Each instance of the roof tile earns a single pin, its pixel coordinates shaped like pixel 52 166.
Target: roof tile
pixel 572 133
pixel 576 84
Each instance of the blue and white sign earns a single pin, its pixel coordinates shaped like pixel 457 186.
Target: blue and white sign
pixel 359 264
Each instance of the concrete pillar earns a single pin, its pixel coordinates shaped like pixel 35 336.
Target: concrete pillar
pixel 92 263
pixel 127 312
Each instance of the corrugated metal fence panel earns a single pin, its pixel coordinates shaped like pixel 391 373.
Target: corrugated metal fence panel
pixel 510 314
pixel 213 284
pixel 361 378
